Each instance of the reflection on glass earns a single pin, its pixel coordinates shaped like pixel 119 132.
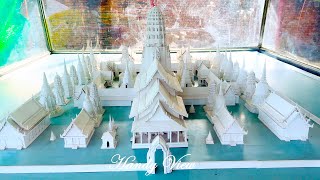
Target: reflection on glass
pixel 74 24
pixel 21 34
pixel 293 28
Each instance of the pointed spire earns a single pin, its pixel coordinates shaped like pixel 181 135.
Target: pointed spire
pixel 264 76
pixel 66 82
pixel 209 139
pixel 220 90
pixel 87 105
pixel 81 75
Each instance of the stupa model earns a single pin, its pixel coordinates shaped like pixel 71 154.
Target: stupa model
pixel 156 109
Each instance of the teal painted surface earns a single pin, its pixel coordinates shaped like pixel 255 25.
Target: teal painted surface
pixel 232 174
pixel 260 143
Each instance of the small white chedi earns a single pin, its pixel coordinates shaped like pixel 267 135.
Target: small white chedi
pixel 109 137
pixel 209 139
pixel 23 125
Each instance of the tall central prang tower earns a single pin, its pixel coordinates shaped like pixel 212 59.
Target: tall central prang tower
pixel 157 110
pixel 155 43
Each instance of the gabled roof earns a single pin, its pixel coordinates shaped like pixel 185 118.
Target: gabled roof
pixel 146 98
pixel 83 122
pixel 227 121
pixel 280 109
pixel 151 123
pixel 29 114
pixel 144 78
pixel 108 134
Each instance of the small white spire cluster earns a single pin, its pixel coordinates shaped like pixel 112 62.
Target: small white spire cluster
pixel 58 91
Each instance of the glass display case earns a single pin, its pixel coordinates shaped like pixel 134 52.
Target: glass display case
pixel 94 88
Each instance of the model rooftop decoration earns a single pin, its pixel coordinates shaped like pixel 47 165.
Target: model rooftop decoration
pixel 209 139
pixel 211 96
pixel 242 78
pixel 109 137
pixel 58 91
pixel 95 99
pixel 226 126
pixel 66 83
pixel 52 136
pixel 23 125
pixel 228 70
pixel 78 134
pixel 48 100
pixel 284 118
pixel 186 80
pixel 92 111
pixel 261 93
pixel 74 76
pixel 156 109
pixel 81 75
pixel 250 86
pixel 192 109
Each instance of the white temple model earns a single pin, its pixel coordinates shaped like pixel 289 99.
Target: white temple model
pixel 52 136
pixel 109 137
pixel 211 96
pixel 186 80
pixel 284 118
pixel 127 79
pixel 92 111
pixel 242 78
pixel 81 76
pixel 74 76
pixel 209 139
pixel 157 110
pixel 236 69
pixel 95 99
pixel 58 91
pixel 78 134
pixel 228 70
pixel 66 83
pixel 226 126
pixel 261 93
pixel 85 68
pixel 192 110
pixel 23 125
pixel 250 86
pixel 48 100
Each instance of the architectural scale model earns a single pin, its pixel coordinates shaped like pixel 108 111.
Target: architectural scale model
pixel 109 137
pixel 226 126
pixel 192 110
pixel 66 83
pixel 284 118
pixel 261 93
pixel 58 91
pixel 93 111
pixel 52 136
pixel 156 109
pixel 209 139
pixel 23 125
pixel 78 134
pixel 48 100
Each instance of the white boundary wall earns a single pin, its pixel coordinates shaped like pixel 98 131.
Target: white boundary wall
pixel 144 166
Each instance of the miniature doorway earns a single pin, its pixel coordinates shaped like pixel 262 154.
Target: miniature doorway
pixel 158 141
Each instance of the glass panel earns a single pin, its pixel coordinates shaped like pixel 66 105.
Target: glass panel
pixel 110 24
pixel 293 29
pixel 21 34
